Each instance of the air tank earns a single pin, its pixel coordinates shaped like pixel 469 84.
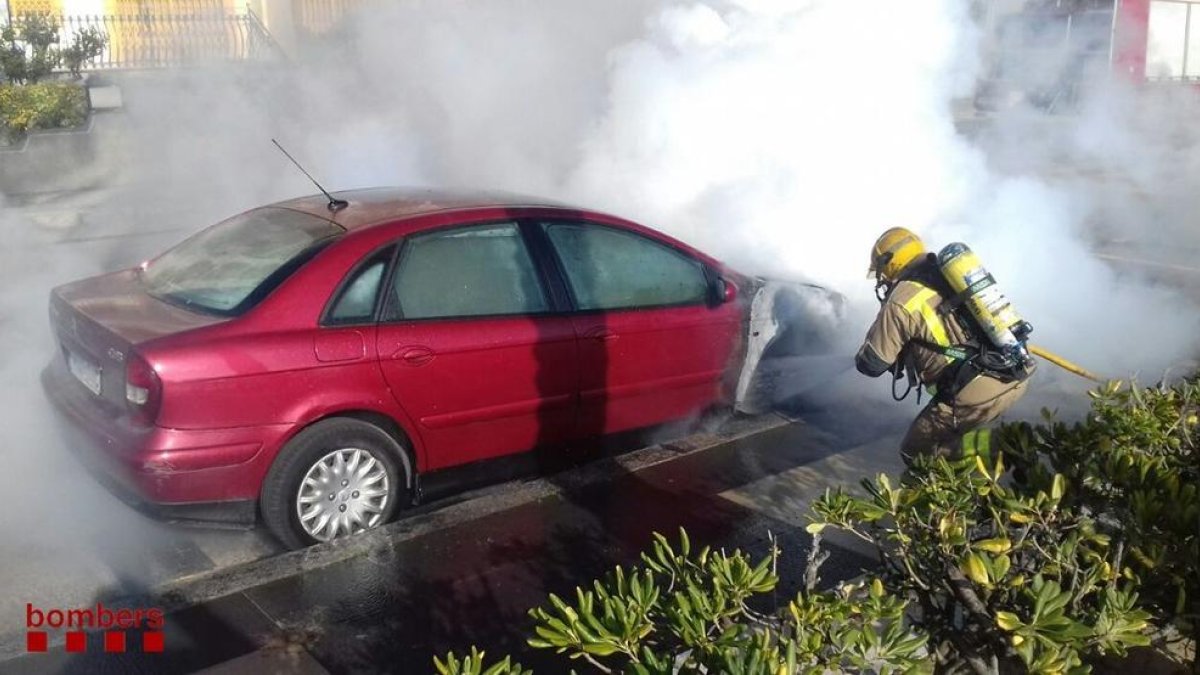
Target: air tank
pixel 980 295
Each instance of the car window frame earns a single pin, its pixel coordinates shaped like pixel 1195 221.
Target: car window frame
pixel 553 306
pixel 554 260
pixel 327 320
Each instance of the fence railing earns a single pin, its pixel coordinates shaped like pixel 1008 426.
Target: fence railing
pixel 136 41
pixel 317 17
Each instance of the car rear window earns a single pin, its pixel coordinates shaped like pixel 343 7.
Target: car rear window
pixel 229 267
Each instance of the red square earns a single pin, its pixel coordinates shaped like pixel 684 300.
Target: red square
pixel 36 641
pixel 114 642
pixel 152 643
pixel 76 641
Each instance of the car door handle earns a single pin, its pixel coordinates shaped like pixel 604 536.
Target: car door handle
pixel 600 334
pixel 414 356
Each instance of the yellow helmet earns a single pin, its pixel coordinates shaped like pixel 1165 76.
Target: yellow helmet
pixel 894 251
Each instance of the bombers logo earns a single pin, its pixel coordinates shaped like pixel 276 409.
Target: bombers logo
pixel 114 624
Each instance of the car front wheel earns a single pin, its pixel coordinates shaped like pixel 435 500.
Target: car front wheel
pixel 336 478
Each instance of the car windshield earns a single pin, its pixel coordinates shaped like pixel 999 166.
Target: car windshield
pixel 230 266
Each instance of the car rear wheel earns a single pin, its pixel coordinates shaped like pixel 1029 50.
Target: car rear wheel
pixel 336 478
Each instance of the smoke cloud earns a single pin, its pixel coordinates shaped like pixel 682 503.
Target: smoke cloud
pixel 782 136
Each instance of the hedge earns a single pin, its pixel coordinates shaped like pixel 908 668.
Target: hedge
pixel 44 105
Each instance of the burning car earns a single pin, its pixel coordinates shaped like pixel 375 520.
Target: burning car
pixel 309 361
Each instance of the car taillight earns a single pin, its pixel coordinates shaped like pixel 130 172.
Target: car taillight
pixel 143 389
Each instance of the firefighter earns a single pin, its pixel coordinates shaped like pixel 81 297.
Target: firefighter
pixel 919 335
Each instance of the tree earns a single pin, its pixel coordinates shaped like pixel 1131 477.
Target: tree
pixel 30 54
pixel 88 43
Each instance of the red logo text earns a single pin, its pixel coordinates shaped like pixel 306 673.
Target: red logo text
pixel 108 628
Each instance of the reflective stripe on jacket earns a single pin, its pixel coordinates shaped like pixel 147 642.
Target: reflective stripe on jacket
pixel 910 312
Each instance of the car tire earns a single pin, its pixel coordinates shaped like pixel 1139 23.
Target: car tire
pixel 339 455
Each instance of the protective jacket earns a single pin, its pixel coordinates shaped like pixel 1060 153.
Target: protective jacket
pixel 908 321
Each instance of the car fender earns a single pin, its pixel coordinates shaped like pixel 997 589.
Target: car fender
pixel 797 321
pixel 389 410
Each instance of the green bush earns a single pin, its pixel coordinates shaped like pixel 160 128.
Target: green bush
pixel 1074 543
pixel 1005 576
pixel 685 611
pixel 45 105
pixel 1134 464
pixel 1088 546
pixel 475 664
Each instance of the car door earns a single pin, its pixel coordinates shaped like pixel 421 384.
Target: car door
pixel 470 348
pixel 652 347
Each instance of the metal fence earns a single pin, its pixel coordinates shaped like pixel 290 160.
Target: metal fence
pixel 136 41
pixel 317 17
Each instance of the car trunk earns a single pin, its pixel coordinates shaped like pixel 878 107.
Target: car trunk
pixel 98 321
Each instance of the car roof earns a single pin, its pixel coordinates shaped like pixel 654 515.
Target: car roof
pixel 372 206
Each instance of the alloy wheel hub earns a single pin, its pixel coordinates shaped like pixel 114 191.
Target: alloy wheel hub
pixel 344 492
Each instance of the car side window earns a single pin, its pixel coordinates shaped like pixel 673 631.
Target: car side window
pixel 473 271
pixel 611 269
pixel 356 302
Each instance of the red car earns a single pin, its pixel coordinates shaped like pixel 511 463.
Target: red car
pixel 310 361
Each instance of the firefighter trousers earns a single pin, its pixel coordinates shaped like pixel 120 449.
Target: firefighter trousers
pixel 945 428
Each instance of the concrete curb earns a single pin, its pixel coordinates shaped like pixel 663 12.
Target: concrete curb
pixel 211 585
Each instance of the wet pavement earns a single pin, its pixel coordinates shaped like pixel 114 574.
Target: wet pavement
pixel 405 599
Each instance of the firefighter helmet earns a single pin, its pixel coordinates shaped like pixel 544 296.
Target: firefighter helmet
pixel 893 252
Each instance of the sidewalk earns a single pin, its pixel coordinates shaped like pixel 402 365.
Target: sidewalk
pixel 466 573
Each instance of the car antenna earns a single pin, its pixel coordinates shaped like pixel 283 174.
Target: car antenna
pixel 335 204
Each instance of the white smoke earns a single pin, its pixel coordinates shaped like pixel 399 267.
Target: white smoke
pixel 783 136
pixel 787 135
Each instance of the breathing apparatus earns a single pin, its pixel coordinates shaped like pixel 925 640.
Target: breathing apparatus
pixel 974 298
pixel 989 310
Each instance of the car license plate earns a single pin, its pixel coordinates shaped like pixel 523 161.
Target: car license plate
pixel 85 371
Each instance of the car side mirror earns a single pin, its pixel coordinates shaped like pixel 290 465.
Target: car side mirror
pixel 721 291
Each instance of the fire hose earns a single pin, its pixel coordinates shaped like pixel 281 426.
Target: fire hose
pixel 1064 364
